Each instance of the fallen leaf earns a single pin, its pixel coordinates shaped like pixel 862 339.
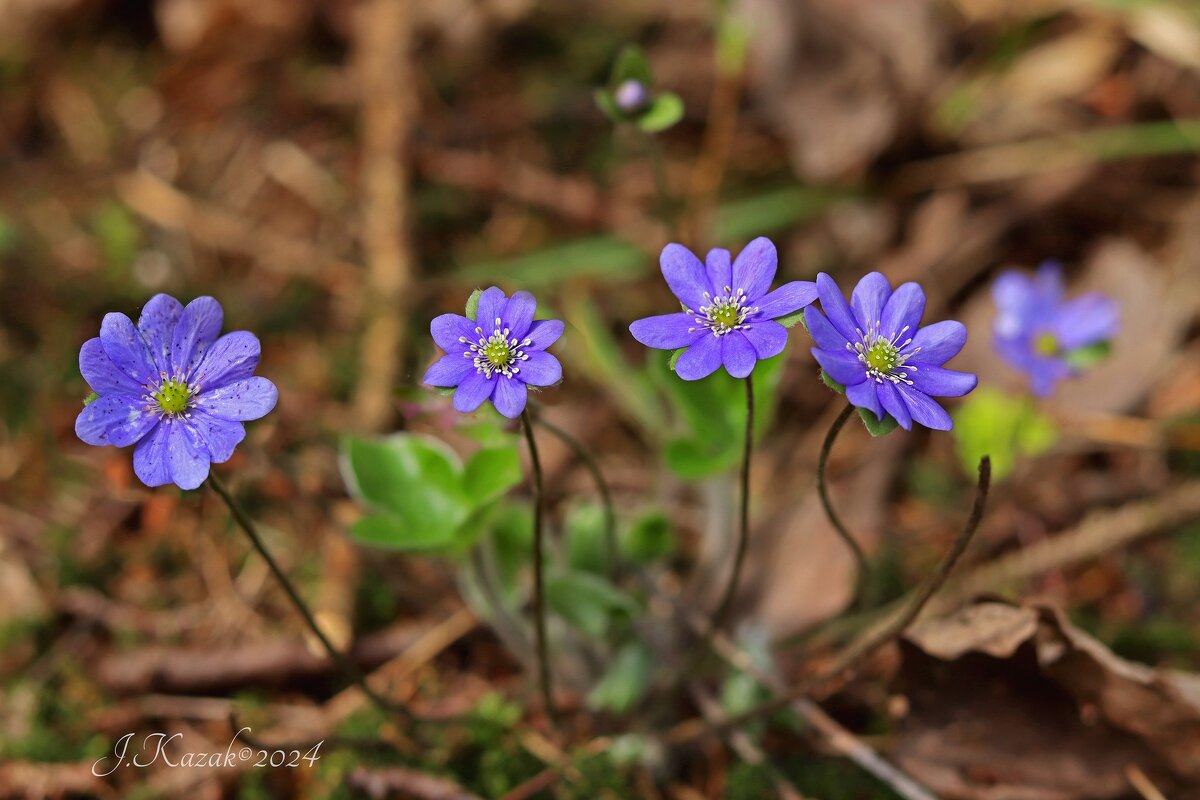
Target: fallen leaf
pixel 1015 703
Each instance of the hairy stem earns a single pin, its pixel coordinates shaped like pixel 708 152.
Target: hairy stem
pixel 612 553
pixel 343 662
pixel 823 491
pixel 743 536
pixel 539 600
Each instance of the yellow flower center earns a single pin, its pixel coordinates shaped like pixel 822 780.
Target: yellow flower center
pixel 173 396
pixel 882 356
pixel 498 353
pixel 1046 344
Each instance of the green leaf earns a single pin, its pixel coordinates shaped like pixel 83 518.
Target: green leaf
pixel 989 422
pixel 1085 357
pixel 584 529
pixel 876 427
pixel 791 319
pixel 694 459
pixel 602 257
pixel 831 383
pixel 587 601
pixel 616 260
pixel 396 534
pixel 595 350
pixel 491 472
pixel 675 358
pixel 608 105
pixel 91 398
pixel 626 681
pixel 473 304
pixel 664 111
pixel 631 64
pixel 511 528
pixel 649 539
pixel 773 210
pixel 713 413
pixel 415 481
pixel 487 428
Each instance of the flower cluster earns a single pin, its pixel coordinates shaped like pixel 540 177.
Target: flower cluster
pixel 1042 334
pixel 172 388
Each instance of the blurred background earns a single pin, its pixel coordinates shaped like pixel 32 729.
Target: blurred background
pixel 338 172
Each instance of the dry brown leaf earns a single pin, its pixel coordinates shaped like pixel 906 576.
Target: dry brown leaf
pixel 1015 702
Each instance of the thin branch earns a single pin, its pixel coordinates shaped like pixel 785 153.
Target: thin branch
pixel 840 739
pixel 743 745
pixel 888 631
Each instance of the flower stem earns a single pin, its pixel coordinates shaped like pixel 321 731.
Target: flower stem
pixel 743 538
pixel 343 663
pixel 612 553
pixel 886 631
pixel 539 600
pixel 823 491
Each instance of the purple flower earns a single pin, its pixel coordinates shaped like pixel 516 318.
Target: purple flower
pixel 174 389
pixel 631 95
pixel 876 348
pixel 497 354
pixel 1039 333
pixel 729 316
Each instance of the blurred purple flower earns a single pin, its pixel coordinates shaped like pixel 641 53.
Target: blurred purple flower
pixel 1040 333
pixel 876 348
pixel 172 388
pixel 729 316
pixel 631 96
pixel 495 355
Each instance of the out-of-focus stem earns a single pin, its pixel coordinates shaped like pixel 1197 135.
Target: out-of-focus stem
pixel 612 554
pixel 743 536
pixel 539 599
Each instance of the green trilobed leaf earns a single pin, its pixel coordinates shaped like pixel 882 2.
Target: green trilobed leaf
pixel 394 533
pixel 414 484
pixel 490 473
